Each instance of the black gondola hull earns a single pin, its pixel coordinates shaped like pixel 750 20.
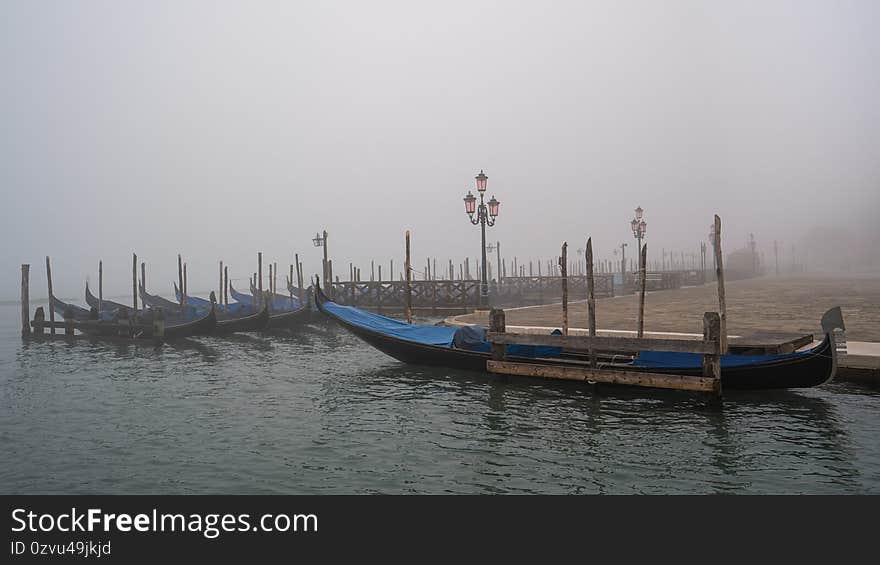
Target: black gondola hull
pixel 807 370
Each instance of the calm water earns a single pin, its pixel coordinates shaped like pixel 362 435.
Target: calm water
pixel 321 412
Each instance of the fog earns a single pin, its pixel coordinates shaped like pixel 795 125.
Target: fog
pixel 220 129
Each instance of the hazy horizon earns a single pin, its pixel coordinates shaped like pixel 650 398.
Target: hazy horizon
pixel 220 129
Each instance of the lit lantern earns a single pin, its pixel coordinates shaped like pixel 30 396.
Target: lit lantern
pixel 635 227
pixel 493 207
pixel 470 203
pixel 482 179
pixel 639 213
pixel 643 227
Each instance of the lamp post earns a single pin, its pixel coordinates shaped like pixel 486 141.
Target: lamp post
pixel 486 213
pixel 639 227
pixel 321 241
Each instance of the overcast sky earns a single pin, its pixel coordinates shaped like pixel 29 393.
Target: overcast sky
pixel 219 129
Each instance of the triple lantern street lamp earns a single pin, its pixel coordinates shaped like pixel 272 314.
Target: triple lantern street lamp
pixel 639 227
pixel 483 214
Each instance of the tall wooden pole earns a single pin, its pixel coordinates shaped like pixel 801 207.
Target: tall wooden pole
pixel 498 262
pixel 144 277
pixel 642 284
pixel 180 279
pixel 51 296
pixel 185 289
pixel 408 283
pixel 719 274
pixel 226 286
pixel 291 284
pixel 25 300
pixel 274 279
pixel 260 279
pixel 134 281
pixel 563 266
pixel 220 284
pixel 100 286
pixel 776 256
pixel 299 280
pixel 591 298
pixel 328 278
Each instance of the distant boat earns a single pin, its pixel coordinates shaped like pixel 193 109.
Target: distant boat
pixel 467 348
pixel 228 321
pixel 281 315
pixel 141 328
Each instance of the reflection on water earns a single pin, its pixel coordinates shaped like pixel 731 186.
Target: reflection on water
pixel 319 411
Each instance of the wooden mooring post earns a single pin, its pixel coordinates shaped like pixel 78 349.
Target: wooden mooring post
pixel 180 279
pixel 712 361
pixel 643 253
pixel 719 275
pixel 563 266
pixel 408 282
pixel 25 300
pixel 591 300
pixel 226 285
pixel 134 281
pixel 299 278
pixel 144 277
pixel 497 324
pixel 260 279
pixel 100 287
pixel 51 297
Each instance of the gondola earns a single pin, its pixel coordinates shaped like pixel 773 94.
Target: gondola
pixel 105 305
pixel 143 328
pixel 443 346
pixel 279 318
pixel 234 317
pixel 242 320
pixel 279 301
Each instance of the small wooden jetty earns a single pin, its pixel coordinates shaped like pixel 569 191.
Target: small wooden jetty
pixel 588 371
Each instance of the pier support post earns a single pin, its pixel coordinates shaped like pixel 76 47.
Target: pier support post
pixel 498 324
pixel 712 362
pixel 25 300
pixel 68 322
pixel 51 296
pixel 100 287
pixel 40 319
pixel 159 324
